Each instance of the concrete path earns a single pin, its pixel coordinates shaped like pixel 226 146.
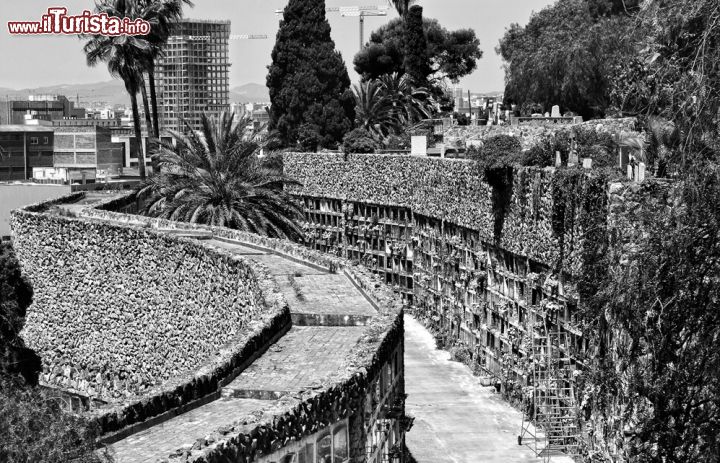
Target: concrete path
pixel 457 420
pixel 302 359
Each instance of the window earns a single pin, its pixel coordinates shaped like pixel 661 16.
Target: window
pixel 46 140
pixel 34 140
pixel 306 455
pixel 340 445
pixel 324 448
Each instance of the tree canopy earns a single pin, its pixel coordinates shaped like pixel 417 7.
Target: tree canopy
pixel 567 55
pixel 15 297
pixel 312 103
pixel 450 54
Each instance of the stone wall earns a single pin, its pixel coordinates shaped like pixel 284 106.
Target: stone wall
pixel 120 310
pixel 528 132
pixel 630 206
pixel 341 396
pixel 449 189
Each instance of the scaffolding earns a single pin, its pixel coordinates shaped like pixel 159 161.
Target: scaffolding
pixel 549 426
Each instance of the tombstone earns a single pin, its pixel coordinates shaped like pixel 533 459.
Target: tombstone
pixel 573 158
pixel 558 159
pixel 630 171
pixel 418 146
pixel 640 172
pixel 555 111
pixel 547 114
pixel 623 156
pixel 587 163
pixel 474 143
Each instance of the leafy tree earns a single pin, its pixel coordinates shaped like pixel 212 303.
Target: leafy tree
pixel 451 54
pixel 308 81
pixel 567 55
pixel 359 141
pixel 676 80
pixel 217 179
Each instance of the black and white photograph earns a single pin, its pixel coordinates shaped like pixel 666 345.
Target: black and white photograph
pixel 332 231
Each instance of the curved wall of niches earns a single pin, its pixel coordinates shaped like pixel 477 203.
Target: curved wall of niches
pixel 120 310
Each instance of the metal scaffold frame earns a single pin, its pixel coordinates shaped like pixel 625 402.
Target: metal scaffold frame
pixel 549 426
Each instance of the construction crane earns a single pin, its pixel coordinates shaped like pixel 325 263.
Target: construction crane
pixel 360 12
pixel 249 37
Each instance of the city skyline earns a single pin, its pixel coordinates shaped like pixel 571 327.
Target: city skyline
pixel 64 58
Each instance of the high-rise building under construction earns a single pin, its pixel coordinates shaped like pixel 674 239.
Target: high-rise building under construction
pixel 193 75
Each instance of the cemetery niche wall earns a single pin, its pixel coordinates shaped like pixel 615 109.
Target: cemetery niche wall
pixel 427 227
pixel 356 414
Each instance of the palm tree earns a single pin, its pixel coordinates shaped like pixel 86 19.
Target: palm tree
pixel 134 9
pixel 374 110
pixel 663 140
pixel 410 104
pixel 124 56
pixel 402 6
pixel 216 178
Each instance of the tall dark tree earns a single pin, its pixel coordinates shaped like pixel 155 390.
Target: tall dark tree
pixel 417 62
pixel 309 84
pixel 402 6
pixel 15 298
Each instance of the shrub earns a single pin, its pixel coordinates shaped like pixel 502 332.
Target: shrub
pixel 397 142
pixel 542 153
pixel 599 155
pixel 34 428
pixel 359 141
pixel 501 150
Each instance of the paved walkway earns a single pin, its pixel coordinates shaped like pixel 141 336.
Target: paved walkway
pixel 457 420
pixel 302 359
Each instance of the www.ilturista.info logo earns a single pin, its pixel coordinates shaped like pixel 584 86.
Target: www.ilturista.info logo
pixel 57 21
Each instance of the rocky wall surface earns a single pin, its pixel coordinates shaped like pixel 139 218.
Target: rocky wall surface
pixel 449 189
pixel 121 310
pixel 630 205
pixel 528 133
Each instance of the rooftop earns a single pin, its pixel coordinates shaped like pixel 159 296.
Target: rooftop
pixel 25 128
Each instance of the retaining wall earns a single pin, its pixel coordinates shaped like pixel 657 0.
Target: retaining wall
pixel 448 189
pixel 121 310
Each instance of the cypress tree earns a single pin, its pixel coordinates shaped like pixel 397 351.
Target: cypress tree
pixel 312 104
pixel 417 64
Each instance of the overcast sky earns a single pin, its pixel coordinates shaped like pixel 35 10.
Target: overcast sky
pixel 29 62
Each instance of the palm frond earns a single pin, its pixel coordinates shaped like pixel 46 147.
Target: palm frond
pixel 215 177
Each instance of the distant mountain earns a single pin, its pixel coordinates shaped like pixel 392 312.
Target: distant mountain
pixel 106 93
pixel 113 93
pixel 250 93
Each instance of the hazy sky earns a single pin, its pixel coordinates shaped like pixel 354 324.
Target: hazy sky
pixel 29 62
